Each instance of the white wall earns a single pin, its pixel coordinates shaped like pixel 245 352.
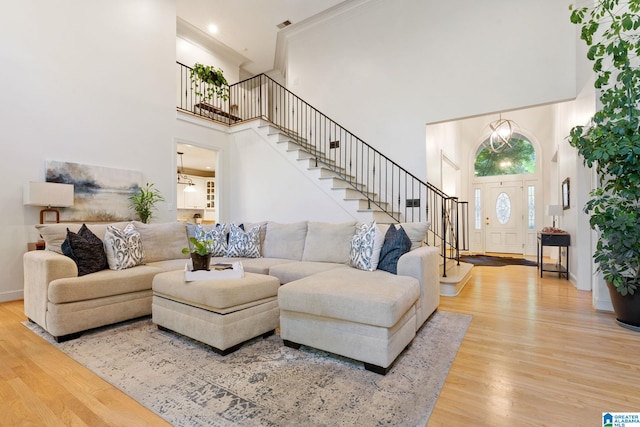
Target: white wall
pixel 386 68
pixel 84 82
pixel 189 52
pixel 574 220
pixel 267 188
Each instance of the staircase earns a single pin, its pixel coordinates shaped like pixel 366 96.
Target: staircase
pixel 351 171
pixel 333 178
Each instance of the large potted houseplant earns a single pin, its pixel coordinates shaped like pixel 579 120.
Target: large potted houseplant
pixel 207 81
pixel 143 202
pixel 200 253
pixel 611 144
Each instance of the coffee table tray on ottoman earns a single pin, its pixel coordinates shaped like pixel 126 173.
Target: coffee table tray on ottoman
pixel 223 313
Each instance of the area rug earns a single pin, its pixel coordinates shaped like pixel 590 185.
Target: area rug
pixel 496 261
pixel 265 383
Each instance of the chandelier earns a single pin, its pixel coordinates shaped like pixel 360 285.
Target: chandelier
pixel 501 134
pixel 184 179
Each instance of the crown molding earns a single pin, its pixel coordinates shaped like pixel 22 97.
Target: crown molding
pixel 189 32
pixel 282 41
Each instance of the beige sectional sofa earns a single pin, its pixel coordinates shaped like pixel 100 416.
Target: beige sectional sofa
pixel 370 316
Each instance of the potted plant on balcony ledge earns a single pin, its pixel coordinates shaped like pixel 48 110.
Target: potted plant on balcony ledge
pixel 207 81
pixel 611 144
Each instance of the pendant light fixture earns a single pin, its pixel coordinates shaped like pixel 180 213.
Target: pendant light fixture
pixel 501 134
pixel 183 179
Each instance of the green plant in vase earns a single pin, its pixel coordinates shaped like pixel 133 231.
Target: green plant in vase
pixel 143 202
pixel 200 253
pixel 207 81
pixel 611 144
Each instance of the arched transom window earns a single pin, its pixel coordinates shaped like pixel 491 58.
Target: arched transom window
pixel 519 158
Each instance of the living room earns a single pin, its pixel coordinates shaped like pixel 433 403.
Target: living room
pixel 119 108
pixel 95 84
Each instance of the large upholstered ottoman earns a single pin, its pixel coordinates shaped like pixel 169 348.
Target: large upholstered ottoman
pixel 222 313
pixel 367 316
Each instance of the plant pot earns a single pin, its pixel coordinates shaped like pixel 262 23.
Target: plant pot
pixel 627 308
pixel 201 262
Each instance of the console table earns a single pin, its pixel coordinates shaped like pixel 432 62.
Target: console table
pixel 560 240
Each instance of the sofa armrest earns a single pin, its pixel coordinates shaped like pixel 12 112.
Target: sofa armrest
pixel 40 268
pixel 423 264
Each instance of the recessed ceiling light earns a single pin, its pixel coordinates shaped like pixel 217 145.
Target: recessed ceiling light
pixel 213 28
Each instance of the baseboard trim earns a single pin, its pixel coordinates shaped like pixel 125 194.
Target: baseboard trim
pixel 11 296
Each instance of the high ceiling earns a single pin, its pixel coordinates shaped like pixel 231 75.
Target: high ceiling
pixel 249 27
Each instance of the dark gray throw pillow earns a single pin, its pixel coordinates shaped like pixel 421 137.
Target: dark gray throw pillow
pixel 86 250
pixel 396 243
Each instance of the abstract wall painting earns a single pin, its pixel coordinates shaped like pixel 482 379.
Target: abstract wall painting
pixel 100 193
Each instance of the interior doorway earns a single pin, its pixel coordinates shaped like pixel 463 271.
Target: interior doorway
pixel 197 192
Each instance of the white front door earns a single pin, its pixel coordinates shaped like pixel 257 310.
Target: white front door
pixel 503 217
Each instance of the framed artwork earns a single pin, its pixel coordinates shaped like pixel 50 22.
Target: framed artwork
pixel 566 192
pixel 100 194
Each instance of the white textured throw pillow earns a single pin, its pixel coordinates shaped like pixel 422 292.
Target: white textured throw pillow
pixel 244 244
pixel 123 247
pixel 365 247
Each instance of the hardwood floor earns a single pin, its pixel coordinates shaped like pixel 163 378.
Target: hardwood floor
pixel 535 354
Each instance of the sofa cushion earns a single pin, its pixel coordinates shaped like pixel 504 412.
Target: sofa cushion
pixel 123 247
pixel 327 242
pixel 86 250
pixel 101 284
pixel 396 244
pixel 260 265
pixel 162 240
pixel 372 298
pixel 254 265
pixel 244 244
pixel 288 272
pixel 54 234
pixel 284 240
pixel 365 246
pixel 416 231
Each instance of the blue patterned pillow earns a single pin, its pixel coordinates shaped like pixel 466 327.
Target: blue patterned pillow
pixel 396 244
pixel 123 247
pixel 244 244
pixel 365 247
pixel 217 238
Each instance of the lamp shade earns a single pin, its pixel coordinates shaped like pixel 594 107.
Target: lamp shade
pixel 50 194
pixel 555 210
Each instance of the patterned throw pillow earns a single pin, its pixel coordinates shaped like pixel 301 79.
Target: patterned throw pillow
pixel 396 244
pixel 123 247
pixel 244 244
pixel 217 238
pixel 86 250
pixel 365 247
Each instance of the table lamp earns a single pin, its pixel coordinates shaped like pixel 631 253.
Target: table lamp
pixel 554 211
pixel 49 194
